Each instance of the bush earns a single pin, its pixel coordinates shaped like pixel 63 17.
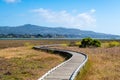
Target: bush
pixel 86 42
pixel 96 43
pixel 89 42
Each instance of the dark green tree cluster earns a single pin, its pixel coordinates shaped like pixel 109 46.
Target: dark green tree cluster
pixel 31 36
pixel 89 42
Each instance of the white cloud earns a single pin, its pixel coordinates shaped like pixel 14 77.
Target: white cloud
pixel 92 10
pixel 64 18
pixel 12 1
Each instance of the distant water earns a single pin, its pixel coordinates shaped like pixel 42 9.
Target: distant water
pixel 51 39
pixel 40 38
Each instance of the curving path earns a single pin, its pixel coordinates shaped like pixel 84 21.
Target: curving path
pixel 66 70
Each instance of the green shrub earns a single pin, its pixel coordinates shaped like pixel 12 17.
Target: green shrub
pixel 86 42
pixel 96 43
pixel 89 42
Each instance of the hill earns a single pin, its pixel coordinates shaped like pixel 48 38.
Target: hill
pixel 53 32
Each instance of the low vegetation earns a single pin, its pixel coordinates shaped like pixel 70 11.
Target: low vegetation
pixel 109 44
pixel 74 43
pixel 104 63
pixel 19 62
pixel 86 42
pixel 89 42
pixel 83 72
pixel 113 44
pixel 24 63
pixel 19 43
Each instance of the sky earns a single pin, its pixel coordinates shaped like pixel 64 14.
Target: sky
pixel 95 15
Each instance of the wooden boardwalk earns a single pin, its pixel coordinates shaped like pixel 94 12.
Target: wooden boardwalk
pixel 68 70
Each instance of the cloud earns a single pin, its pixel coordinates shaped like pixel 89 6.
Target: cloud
pixel 92 10
pixel 64 18
pixel 12 1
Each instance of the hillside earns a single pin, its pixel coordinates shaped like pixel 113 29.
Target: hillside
pixel 64 32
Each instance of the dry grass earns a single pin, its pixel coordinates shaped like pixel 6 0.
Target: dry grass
pixel 105 62
pixel 23 63
pixel 18 43
pixel 19 62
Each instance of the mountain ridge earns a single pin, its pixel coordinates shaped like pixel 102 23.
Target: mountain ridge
pixel 66 32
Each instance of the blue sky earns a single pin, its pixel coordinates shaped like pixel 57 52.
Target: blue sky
pixel 96 15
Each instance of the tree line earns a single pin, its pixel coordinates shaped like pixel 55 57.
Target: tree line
pixel 31 36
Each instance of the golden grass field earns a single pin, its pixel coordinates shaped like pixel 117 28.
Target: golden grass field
pixel 24 63
pixel 18 43
pixel 19 62
pixel 103 64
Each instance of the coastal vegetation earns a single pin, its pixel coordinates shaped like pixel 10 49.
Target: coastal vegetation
pixel 24 63
pixel 20 62
pixel 103 63
pixel 89 42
